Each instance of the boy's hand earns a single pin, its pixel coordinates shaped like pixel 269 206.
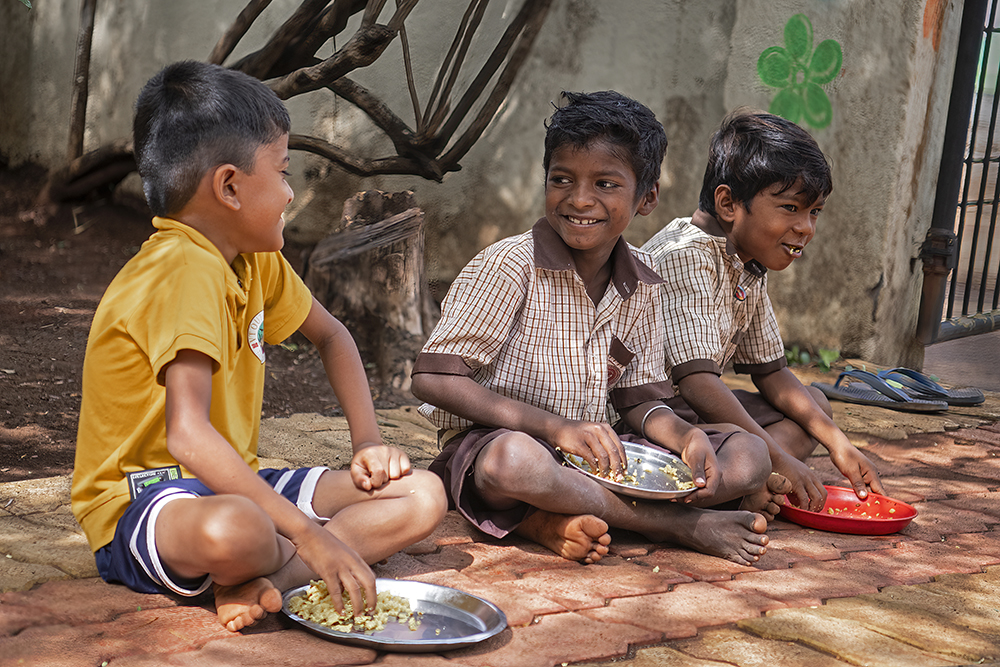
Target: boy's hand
pixel 807 489
pixel 699 455
pixel 339 566
pixel 856 467
pixel 596 443
pixel 373 465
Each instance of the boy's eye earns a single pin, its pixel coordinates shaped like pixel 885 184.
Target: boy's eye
pixel 790 207
pixel 815 211
pixel 606 185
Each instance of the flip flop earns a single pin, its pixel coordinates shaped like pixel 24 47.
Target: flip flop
pixel 878 392
pixel 918 385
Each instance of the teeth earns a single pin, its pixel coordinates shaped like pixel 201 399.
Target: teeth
pixel 578 221
pixel 793 250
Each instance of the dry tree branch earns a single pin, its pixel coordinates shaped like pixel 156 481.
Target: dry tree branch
pixel 475 130
pixel 363 166
pixel 332 22
pixel 288 62
pixel 259 63
pixel 467 34
pixel 439 80
pixel 537 9
pixel 364 48
pixel 378 111
pixel 81 79
pixel 240 26
pixel 408 67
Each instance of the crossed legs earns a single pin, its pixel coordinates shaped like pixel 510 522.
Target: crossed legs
pixel 575 511
pixel 231 539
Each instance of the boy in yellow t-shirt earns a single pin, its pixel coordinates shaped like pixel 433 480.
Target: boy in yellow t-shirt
pixel 166 483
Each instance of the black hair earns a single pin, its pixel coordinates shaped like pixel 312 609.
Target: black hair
pixel 752 151
pixel 629 126
pixel 192 117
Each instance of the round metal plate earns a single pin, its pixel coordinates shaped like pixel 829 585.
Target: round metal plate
pixel 645 465
pixel 449 619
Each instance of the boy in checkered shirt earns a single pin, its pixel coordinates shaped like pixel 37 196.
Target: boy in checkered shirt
pixel 548 338
pixel 764 187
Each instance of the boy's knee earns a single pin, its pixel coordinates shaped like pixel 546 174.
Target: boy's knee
pixel 233 526
pixel 749 457
pixel 502 463
pixel 428 492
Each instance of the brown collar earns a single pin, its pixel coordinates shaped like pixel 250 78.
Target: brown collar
pixel 552 253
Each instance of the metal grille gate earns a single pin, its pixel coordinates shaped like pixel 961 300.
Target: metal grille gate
pixel 961 253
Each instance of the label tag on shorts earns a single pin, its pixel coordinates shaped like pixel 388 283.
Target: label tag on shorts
pixel 139 480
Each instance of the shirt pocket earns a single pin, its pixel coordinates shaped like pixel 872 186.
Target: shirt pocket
pixel 619 357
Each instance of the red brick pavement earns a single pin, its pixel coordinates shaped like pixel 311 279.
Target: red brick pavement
pixel 558 611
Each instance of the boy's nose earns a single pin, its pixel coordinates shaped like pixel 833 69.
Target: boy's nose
pixel 581 196
pixel 805 225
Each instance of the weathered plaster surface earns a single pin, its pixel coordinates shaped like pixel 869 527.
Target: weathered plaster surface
pixel 856 290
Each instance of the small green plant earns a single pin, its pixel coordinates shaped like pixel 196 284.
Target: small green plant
pixel 795 357
pixel 824 357
pixel 26 3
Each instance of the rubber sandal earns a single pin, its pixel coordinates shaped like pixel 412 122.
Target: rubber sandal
pixel 877 392
pixel 918 385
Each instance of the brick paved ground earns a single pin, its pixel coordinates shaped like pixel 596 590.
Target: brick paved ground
pixel 929 595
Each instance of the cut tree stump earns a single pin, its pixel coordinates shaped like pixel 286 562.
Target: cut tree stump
pixel 370 275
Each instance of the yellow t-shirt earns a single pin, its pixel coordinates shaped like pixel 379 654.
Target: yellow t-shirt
pixel 177 293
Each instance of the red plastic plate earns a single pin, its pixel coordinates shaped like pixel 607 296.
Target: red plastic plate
pixel 844 512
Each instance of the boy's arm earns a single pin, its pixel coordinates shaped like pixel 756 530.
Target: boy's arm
pixel 714 402
pixel 784 391
pixel 373 464
pixel 463 396
pixel 196 445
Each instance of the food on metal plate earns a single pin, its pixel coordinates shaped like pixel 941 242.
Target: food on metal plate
pixel 633 475
pixel 316 605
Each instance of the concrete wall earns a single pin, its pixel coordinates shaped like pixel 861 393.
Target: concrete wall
pixel 857 288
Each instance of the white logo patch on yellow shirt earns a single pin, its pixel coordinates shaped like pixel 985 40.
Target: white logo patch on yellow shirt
pixel 255 335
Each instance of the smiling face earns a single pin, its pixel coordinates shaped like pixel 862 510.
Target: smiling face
pixel 775 228
pixel 590 198
pixel 263 194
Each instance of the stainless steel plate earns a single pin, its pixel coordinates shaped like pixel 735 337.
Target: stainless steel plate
pixel 644 465
pixel 451 619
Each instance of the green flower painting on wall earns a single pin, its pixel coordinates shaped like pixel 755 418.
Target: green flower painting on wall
pixel 800 71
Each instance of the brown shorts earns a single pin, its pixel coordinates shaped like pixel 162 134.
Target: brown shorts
pixel 455 465
pixel 756 406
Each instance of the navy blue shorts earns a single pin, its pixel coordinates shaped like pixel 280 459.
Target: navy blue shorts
pixel 131 557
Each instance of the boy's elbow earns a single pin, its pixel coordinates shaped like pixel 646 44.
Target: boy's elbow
pixel 419 386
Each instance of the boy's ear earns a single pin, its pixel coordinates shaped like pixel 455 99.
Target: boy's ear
pixel 725 205
pixel 225 186
pixel 649 200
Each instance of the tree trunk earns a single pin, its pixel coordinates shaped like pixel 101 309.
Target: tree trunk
pixel 370 275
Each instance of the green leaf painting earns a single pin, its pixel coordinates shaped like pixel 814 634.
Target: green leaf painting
pixel 799 71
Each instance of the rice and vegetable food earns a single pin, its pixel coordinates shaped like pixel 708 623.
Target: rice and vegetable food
pixel 634 474
pixel 316 605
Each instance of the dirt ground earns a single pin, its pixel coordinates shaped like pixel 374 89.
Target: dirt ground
pixel 54 267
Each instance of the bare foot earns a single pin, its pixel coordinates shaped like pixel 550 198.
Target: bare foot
pixel 770 498
pixel 736 536
pixel 581 537
pixel 241 606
